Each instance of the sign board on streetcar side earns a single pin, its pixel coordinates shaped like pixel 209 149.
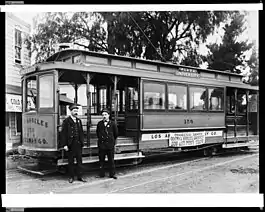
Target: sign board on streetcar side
pixel 187 139
pixel 183 138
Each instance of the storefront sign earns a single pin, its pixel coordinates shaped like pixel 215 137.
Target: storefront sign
pixel 14 103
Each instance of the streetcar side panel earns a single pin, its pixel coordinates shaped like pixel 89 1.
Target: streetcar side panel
pixel 39 136
pixel 185 120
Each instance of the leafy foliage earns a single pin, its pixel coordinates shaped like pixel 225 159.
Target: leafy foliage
pixel 253 64
pixel 229 55
pixel 162 35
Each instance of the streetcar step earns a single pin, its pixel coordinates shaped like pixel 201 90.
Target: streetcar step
pixel 234 145
pixel 94 159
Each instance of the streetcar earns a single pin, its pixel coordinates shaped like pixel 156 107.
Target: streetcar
pixel 158 107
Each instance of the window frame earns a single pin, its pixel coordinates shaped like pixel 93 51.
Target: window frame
pixel 155 82
pixel 189 95
pixel 167 98
pixel 16 45
pixel 128 109
pixel 25 92
pixel 46 109
pixel 208 96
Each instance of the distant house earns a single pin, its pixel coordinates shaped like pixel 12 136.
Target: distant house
pixel 17 56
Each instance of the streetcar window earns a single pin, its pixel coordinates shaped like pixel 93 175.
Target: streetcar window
pixel 177 97
pixel 154 96
pixel 241 103
pixel 132 98
pixel 216 99
pixel 31 91
pixel 46 91
pixel 102 98
pixel 198 98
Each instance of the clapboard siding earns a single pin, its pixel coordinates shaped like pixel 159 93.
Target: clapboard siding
pixel 12 70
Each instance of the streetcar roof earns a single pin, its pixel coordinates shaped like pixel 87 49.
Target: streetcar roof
pixel 71 51
pixel 144 74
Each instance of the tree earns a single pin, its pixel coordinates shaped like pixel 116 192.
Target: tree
pixel 58 27
pixel 253 64
pixel 229 55
pixel 151 35
pixel 159 35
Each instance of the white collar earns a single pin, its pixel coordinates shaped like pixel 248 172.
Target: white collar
pixel 74 119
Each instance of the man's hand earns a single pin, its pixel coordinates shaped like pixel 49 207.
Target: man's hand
pixel 116 150
pixel 66 148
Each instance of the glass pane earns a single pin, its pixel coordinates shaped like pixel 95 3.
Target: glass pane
pixel 177 97
pixel 241 103
pixel 253 106
pixel 31 91
pixel 216 99
pixel 102 98
pixel 46 91
pixel 133 98
pixel 154 96
pixel 18 53
pixel 198 98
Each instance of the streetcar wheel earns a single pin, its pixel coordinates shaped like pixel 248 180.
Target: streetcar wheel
pixel 205 152
pixel 137 161
pixel 214 151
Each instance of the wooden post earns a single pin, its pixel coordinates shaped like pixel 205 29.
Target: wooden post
pixel 235 117
pixel 88 94
pixel 247 96
pixel 76 87
pixel 115 99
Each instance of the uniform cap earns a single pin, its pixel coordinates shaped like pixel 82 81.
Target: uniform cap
pixel 73 106
pixel 105 110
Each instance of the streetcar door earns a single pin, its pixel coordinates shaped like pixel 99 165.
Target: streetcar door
pixel 132 108
pixel 240 113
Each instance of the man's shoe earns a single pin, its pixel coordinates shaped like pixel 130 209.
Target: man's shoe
pixel 71 180
pixel 114 177
pixel 81 179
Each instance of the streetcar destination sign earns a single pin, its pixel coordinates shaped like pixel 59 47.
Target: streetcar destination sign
pixel 29 69
pixel 187 72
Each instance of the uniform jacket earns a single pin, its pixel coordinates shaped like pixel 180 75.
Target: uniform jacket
pixel 67 133
pixel 107 135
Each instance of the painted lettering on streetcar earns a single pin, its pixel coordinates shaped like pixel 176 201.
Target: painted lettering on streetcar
pixel 37 121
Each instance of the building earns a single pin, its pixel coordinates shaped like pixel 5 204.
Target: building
pixel 17 56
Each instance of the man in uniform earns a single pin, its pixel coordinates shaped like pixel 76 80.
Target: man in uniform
pixel 107 133
pixel 72 138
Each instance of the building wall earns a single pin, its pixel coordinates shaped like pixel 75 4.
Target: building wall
pixel 12 69
pixel 12 76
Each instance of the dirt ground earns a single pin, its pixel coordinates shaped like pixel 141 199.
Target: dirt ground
pixel 222 174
